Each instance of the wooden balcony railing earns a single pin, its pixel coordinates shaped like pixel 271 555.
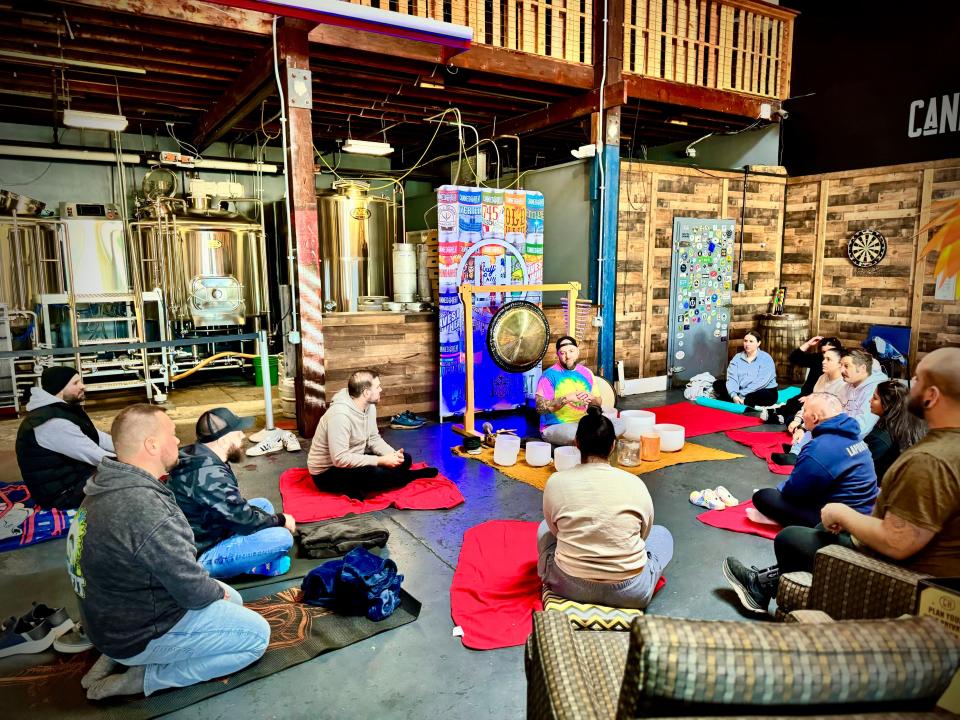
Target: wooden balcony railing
pixel 740 45
pixel 561 29
pixel 737 45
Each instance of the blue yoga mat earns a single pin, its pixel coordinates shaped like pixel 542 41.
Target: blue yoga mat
pixel 782 396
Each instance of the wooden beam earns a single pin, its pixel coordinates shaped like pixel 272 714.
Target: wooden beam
pixel 673 93
pixel 818 257
pixel 919 267
pixel 200 13
pixel 649 278
pixel 564 111
pixel 246 92
pixel 311 373
pixel 497 61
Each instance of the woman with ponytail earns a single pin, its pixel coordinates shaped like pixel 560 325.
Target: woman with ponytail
pixel 598 543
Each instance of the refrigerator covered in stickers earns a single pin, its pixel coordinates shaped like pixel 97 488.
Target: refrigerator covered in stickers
pixel 701 298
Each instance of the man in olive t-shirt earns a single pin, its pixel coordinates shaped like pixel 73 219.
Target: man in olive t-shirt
pixel 916 520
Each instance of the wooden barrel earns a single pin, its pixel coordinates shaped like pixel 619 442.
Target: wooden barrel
pixel 781 334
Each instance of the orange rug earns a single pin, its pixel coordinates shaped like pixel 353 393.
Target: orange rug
pixel 537 476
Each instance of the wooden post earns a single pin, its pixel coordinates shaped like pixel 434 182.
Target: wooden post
pixel 919 267
pixel 311 376
pixel 818 257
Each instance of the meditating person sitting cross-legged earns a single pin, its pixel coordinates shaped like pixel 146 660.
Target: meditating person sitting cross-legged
pixel 751 376
pixel 597 542
pixel 835 466
pixel 896 430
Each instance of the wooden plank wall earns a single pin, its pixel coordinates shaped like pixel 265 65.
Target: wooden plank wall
pixel 644 251
pixel 824 211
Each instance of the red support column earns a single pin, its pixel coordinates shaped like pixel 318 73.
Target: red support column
pixel 294 54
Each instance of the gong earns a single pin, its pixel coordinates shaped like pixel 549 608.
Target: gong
pixel 518 336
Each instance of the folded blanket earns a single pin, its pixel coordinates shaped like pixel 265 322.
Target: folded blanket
pixel 333 538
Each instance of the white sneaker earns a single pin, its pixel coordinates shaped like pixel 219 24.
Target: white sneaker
pixel 290 442
pixel 268 446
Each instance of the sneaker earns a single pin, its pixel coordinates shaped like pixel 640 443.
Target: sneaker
pixel 55 618
pixel 290 442
pixel 268 446
pixel 708 499
pixel 406 421
pixel 786 458
pixel 74 641
pixel 753 586
pixel 24 636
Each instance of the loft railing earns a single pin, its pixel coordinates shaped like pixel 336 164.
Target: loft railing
pixel 561 29
pixel 738 45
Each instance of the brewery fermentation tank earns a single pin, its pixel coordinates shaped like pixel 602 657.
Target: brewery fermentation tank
pixel 357 234
pixel 209 265
pixel 30 261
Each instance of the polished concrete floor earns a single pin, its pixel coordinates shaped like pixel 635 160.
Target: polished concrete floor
pixel 421 670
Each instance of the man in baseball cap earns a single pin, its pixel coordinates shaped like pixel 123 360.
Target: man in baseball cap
pixel 233 536
pixel 58 446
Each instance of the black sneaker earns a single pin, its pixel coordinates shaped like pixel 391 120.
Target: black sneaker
pixel 784 458
pixel 754 594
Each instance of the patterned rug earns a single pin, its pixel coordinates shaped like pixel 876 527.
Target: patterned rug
pixel 537 476
pixel 298 633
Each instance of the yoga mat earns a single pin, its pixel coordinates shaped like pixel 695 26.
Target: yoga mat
pixel 699 420
pixel 782 396
pixel 28 525
pixel 537 476
pixel 495 587
pixel 298 633
pixel 764 445
pixel 735 519
pixel 307 504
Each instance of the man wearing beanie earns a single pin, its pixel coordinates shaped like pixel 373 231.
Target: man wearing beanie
pixel 233 536
pixel 58 447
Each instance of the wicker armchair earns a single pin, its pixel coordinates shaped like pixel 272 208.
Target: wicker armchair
pixel 694 668
pixel 849 585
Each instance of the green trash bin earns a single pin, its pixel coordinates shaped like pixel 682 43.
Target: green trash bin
pixel 258 371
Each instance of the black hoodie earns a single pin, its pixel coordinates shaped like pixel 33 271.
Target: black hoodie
pixel 132 561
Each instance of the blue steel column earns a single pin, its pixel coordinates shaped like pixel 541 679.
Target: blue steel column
pixel 607 293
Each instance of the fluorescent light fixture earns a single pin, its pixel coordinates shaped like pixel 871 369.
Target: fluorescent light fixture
pixel 676 121
pixel 584 151
pixel 366 147
pixel 32 59
pixel 362 17
pixel 94 121
pixel 430 85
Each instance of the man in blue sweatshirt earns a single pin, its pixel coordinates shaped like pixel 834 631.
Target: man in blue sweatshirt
pixel 835 466
pixel 157 616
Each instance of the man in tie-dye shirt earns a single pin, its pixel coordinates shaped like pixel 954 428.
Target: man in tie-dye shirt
pixel 565 390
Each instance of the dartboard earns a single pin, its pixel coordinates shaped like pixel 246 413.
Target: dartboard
pixel 866 248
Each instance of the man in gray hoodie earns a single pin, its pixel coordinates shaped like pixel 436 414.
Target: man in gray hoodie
pixel 156 615
pixel 347 454
pixel 58 447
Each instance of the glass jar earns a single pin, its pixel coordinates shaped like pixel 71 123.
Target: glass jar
pixel 628 452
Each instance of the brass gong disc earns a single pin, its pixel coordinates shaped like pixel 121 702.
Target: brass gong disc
pixel 518 336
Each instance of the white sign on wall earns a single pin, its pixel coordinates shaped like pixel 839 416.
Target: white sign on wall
pixel 933 116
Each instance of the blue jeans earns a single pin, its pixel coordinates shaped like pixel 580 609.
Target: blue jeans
pixel 208 643
pixel 240 553
pixel 635 592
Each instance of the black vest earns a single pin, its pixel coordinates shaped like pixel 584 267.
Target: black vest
pixel 51 475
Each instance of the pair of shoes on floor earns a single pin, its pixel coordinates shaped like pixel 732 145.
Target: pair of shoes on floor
pixel 34 631
pixel 286 440
pixel 717 499
pixel 407 421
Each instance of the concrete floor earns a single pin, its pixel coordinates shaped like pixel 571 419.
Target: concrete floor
pixel 420 670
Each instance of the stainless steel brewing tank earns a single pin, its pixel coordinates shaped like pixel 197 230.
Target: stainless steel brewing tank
pixel 30 261
pixel 208 265
pixel 357 233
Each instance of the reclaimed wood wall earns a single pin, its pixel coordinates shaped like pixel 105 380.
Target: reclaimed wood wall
pixel 824 211
pixel 650 197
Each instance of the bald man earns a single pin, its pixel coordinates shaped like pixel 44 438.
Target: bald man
pixel 916 519
pixel 835 466
pixel 157 616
